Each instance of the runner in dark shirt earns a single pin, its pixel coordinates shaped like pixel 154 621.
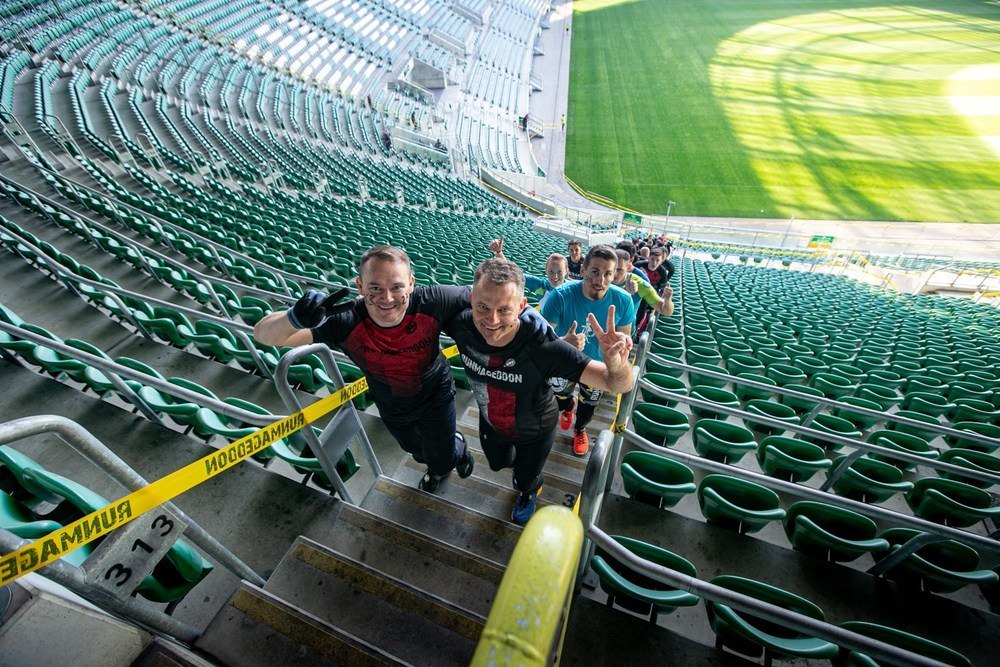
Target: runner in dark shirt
pixel 391 333
pixel 508 362
pixel 574 259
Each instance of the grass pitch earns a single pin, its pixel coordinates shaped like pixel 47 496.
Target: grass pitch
pixel 839 109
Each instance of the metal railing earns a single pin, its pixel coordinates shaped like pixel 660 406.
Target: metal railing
pixel 96 452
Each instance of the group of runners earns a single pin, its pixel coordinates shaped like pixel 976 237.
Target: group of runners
pixel 515 358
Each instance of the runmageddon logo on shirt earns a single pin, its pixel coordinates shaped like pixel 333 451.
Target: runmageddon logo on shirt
pixel 474 366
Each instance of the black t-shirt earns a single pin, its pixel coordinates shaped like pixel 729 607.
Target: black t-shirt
pixel 510 383
pixel 575 269
pixel 659 276
pixel 403 364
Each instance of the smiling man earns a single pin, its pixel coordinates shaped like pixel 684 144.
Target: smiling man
pixel 568 310
pixel 509 361
pixel 391 332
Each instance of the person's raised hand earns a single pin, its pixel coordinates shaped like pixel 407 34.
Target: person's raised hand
pixel 496 247
pixel 312 308
pixel 667 293
pixel 615 346
pixel 577 340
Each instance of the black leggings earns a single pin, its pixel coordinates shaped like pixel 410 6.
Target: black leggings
pixel 526 457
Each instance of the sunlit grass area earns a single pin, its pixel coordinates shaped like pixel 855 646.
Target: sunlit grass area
pixel 836 109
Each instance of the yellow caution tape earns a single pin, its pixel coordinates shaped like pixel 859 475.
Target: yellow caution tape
pixel 57 544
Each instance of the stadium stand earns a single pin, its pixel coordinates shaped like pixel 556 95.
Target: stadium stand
pixel 795 437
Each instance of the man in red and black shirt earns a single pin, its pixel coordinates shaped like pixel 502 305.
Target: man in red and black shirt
pixel 391 333
pixel 508 361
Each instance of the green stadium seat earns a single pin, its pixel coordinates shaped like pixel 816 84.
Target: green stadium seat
pixel 830 424
pixel 899 638
pixel 979 428
pixel 869 480
pixel 833 533
pixel 656 480
pixel 791 459
pixel 832 385
pixel 665 383
pixel 738 504
pixel 721 441
pixel 713 395
pixel 925 433
pixel 939 567
pixel 933 405
pixel 770 409
pixel 747 634
pixel 904 442
pixel 950 502
pixel 860 421
pixel 746 393
pixel 20 520
pixel 176 574
pixel 637 592
pixel 973 460
pixel 659 424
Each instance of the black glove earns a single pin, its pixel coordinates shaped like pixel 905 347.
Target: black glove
pixel 312 308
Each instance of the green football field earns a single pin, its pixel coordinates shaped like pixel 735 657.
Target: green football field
pixel 838 109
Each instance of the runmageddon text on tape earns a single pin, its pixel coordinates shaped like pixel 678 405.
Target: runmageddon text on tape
pixel 57 544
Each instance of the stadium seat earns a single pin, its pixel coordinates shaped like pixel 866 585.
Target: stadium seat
pixel 721 441
pixel 832 385
pixel 833 533
pixel 656 480
pixel 665 383
pixel 637 592
pixel 950 502
pixel 869 480
pixel 659 424
pixel 979 428
pixel 738 504
pixel 829 424
pixel 904 442
pixel 800 404
pixel 893 637
pixel 176 574
pixel 926 434
pixel 747 634
pixel 746 393
pixel 860 421
pixel 772 410
pixel 939 567
pixel 791 459
pixel 973 460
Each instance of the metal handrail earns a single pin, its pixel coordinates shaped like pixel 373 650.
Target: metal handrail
pixel 131 608
pixel 794 489
pixel 347 412
pixel 84 442
pixel 765 610
pixel 822 401
pixel 828 437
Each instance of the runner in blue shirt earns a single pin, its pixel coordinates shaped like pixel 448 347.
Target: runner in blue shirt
pixel 567 309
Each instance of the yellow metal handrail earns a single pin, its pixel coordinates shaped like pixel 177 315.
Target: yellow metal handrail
pixel 527 622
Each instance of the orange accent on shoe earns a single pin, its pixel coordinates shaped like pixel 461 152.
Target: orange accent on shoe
pixel 581 443
pixel 565 419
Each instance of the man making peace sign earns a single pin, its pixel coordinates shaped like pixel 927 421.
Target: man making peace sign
pixel 509 361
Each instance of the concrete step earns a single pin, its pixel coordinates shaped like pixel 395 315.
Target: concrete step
pixel 413 625
pixel 488 491
pixel 433 565
pixel 562 447
pixel 439 517
pixel 256 628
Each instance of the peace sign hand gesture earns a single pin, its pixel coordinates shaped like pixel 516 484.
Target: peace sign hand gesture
pixel 496 247
pixel 615 346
